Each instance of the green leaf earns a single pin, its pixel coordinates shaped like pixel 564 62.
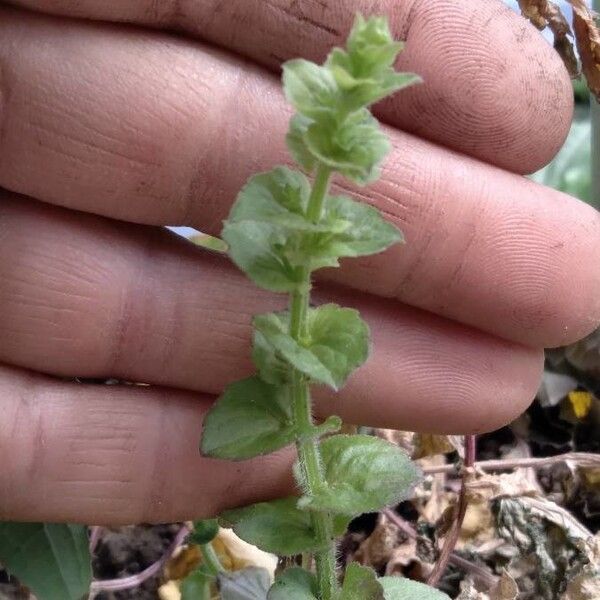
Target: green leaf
pixel 196 586
pixel 278 526
pixel 371 51
pixel 272 332
pixel 339 338
pixel 366 231
pixel 340 524
pixel 336 344
pixel 333 126
pixel 251 418
pixel 204 531
pixel 360 583
pixel 400 588
pixel 363 474
pixel 272 366
pixel 365 71
pixel 363 89
pixel 310 88
pixel 267 231
pixel 279 196
pixel 53 560
pixel 371 47
pixel 255 248
pixel 354 148
pixel 251 583
pixel 294 584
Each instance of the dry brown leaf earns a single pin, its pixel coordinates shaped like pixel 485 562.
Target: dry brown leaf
pixel 428 444
pixel 592 477
pixel 484 487
pixel 586 584
pixel 402 556
pixel 587 35
pixel 431 497
pixel 505 589
pixel 403 439
pixel 377 549
pixel 535 11
pixel 544 13
pixel 183 562
pixel 478 525
pixel 553 513
pixel 547 534
pixel 446 520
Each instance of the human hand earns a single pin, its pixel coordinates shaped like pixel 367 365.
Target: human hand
pixel 108 132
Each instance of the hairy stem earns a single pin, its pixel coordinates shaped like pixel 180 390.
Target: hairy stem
pixel 308 447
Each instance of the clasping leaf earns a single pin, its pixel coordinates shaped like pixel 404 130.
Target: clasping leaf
pixel 255 248
pixel 258 229
pixel 354 148
pixel 278 526
pixel 363 474
pixel 310 88
pixel 367 232
pixel 336 344
pixel 251 418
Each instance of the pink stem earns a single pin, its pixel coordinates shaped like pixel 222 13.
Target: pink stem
pixel 478 572
pixel 453 534
pixel 95 534
pixel 125 583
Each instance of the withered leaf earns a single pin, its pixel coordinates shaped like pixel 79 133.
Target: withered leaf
pixel 505 589
pixel 544 13
pixel 587 35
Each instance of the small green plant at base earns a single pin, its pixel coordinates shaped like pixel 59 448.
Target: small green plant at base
pixel 280 230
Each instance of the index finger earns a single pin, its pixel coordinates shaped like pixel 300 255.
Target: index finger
pixel 494 89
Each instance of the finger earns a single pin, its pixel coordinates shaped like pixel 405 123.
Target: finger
pixel 83 296
pixel 117 455
pixel 487 72
pixel 160 131
pixel 484 247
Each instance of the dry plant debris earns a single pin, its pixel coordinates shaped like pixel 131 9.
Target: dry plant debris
pixel 544 13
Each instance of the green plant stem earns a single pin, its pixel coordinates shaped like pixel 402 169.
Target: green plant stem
pixel 308 447
pixel 211 560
